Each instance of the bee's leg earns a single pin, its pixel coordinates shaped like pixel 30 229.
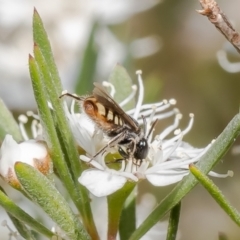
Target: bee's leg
pixel 113 142
pixel 119 160
pixel 132 150
pixel 132 147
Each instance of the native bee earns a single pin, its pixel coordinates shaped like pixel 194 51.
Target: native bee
pixel 121 128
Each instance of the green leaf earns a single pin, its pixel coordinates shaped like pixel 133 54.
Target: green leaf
pixel 57 156
pixel 84 83
pixel 206 163
pixel 128 217
pixel 23 217
pixel 115 206
pixel 47 87
pixel 64 151
pixel 42 191
pixel 123 85
pixel 8 124
pixel 173 222
pixel 41 39
pixel 216 194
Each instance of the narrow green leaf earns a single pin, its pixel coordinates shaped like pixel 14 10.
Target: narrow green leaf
pixel 42 191
pixel 123 85
pixel 206 163
pixel 41 39
pixel 128 217
pixel 8 124
pixel 84 83
pixel 173 222
pixel 216 194
pixel 58 113
pixel 22 216
pixel 69 166
pixel 49 127
pixel 115 206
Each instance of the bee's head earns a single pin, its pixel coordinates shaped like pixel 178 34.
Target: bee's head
pixel 142 148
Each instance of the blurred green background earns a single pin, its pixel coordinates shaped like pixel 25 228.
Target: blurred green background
pixel 89 38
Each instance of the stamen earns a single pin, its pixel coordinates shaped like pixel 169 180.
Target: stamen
pixel 228 174
pixel 178 163
pixel 34 128
pixel 146 106
pixel 32 114
pixel 159 116
pixel 108 84
pixel 130 97
pixel 173 101
pixel 190 124
pixel 169 129
pixel 72 106
pixel 159 112
pixel 39 129
pixel 184 132
pixel 152 115
pixel 140 95
pixel 176 145
pixel 22 121
pixel 160 107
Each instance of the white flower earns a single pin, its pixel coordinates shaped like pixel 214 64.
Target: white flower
pixel 31 151
pixel 167 160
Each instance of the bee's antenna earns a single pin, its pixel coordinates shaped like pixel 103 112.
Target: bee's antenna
pixel 65 93
pixel 152 127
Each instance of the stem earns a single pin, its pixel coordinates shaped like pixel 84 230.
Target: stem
pixel 173 222
pixel 115 206
pixel 128 216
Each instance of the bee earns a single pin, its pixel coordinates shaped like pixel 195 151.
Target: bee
pixel 122 130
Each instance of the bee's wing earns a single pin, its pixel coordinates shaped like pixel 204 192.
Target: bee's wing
pixel 103 97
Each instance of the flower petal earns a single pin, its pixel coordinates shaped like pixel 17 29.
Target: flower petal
pixel 32 149
pixel 101 183
pixel 9 153
pixel 165 178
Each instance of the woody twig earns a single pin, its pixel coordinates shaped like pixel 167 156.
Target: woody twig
pixel 219 19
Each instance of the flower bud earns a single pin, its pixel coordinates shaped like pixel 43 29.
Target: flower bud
pixel 32 152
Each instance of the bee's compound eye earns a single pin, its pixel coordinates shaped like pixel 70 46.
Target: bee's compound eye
pixel 141 149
